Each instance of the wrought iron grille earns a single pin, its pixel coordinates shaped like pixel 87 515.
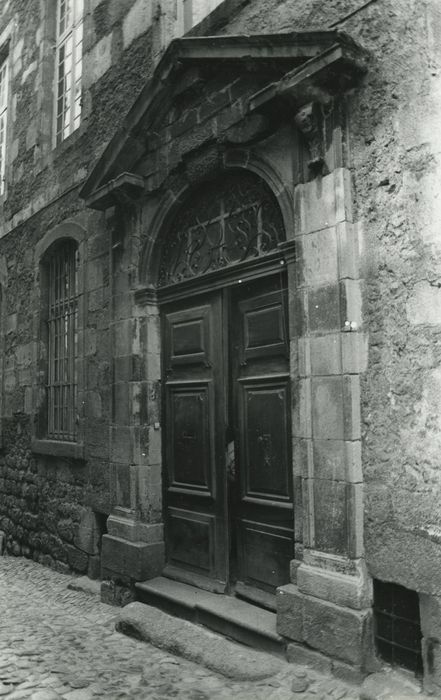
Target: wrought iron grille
pixel 62 341
pixel 397 625
pixel 225 221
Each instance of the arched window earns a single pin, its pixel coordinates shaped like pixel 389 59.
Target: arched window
pixel 61 266
pixel 224 221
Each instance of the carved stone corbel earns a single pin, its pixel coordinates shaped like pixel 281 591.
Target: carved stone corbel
pixel 310 121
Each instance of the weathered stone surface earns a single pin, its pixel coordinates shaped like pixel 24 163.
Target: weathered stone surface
pixel 56 642
pixel 195 643
pixel 327 408
pixel 290 612
pixel 336 631
pixel 430 612
pixel 137 560
pixel 389 685
pixel 317 269
pixel 322 204
pixel 326 355
pixel 324 308
pixel 301 654
pixel 85 585
pixel 300 683
pixel 330 516
pixel 347 591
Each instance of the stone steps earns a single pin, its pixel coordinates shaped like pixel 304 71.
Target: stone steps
pixel 229 616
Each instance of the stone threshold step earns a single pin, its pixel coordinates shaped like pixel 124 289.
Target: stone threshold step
pixel 196 643
pixel 234 618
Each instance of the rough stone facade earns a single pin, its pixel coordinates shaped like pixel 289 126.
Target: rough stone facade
pixel 54 507
pixel 364 291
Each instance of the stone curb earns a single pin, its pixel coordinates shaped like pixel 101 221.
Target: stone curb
pixel 196 643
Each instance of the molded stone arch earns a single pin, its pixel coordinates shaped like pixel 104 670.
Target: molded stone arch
pixel 172 202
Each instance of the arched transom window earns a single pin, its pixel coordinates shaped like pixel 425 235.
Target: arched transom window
pixel 223 222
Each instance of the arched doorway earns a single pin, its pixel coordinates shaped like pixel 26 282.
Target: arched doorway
pixel 228 502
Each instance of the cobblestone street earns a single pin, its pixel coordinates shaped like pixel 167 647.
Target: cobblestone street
pixel 60 643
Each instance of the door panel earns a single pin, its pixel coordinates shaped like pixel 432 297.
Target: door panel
pixel 263 517
pixel 264 554
pixel 192 540
pixel 227 415
pixel 191 458
pixel 263 406
pixel 194 407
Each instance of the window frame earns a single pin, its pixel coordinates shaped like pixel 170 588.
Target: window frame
pixel 42 441
pixel 62 324
pixel 73 32
pixel 186 13
pixel 4 108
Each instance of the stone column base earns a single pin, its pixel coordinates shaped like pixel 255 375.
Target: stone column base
pixel 330 613
pixel 137 561
pixel 131 551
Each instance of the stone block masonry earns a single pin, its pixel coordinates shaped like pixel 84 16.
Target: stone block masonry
pixel 364 299
pixel 54 506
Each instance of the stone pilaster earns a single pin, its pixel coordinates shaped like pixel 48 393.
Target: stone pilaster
pixel 327 605
pixel 133 549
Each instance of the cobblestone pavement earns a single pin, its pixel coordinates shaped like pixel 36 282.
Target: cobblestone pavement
pixel 60 643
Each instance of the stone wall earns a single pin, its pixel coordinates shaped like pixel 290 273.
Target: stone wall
pixel 54 508
pixel 395 162
pixel 395 149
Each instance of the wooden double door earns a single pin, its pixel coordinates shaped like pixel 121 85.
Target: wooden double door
pixel 227 438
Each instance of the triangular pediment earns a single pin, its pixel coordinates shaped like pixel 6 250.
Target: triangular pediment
pixel 206 84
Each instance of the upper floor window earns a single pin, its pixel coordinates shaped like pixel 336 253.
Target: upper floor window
pixel 3 119
pixel 62 266
pixel 193 11
pixel 69 67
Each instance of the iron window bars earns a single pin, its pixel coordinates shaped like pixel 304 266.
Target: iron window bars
pixel 397 625
pixel 62 341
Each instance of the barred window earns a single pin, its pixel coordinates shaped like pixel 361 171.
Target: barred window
pixel 3 115
pixel 69 67
pixel 62 341
pixel 193 11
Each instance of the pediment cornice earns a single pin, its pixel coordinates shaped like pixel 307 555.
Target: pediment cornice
pixel 294 71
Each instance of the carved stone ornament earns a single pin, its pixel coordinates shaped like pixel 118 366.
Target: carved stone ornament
pixel 309 120
pixel 228 220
